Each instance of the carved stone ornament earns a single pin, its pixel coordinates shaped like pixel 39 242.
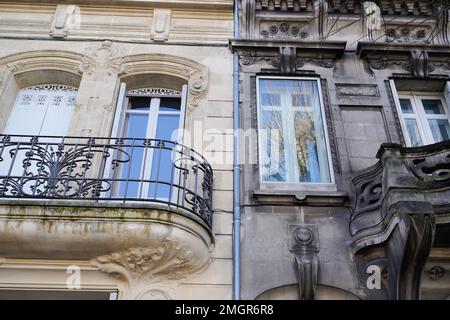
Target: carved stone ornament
pixel 283 30
pixel 167 261
pixel 395 213
pixel 103 60
pixel 67 17
pixel 46 60
pixel 436 273
pixel 161 24
pixel 304 244
pixel 286 61
pixel 194 73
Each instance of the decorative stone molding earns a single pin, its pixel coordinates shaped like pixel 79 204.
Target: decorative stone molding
pixel 103 60
pixel 389 223
pixel 288 56
pixel 320 21
pixel 284 30
pixel 371 19
pixel 286 61
pixel 46 60
pixel 248 17
pixel 194 73
pixel 67 17
pixel 436 273
pixel 357 90
pixel 161 24
pixel 154 91
pixel 410 34
pixel 416 60
pixel 304 244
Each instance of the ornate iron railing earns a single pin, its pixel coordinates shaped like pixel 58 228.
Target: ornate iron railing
pixel 106 169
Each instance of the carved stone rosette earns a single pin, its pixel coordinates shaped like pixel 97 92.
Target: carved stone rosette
pixel 394 217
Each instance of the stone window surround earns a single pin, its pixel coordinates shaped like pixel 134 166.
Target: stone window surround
pixel 329 186
pixel 25 69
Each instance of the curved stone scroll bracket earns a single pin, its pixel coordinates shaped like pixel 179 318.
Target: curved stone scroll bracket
pixel 304 244
pixel 307 273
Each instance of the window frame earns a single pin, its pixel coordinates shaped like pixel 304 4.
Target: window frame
pixel 120 124
pixel 419 114
pixel 329 186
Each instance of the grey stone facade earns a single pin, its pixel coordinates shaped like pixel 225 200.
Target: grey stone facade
pixel 298 241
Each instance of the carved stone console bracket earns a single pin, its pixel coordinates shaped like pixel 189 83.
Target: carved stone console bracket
pixel 304 244
pixel 414 60
pixel 288 55
pixel 397 205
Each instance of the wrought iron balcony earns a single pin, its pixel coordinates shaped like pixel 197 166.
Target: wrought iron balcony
pixel 128 170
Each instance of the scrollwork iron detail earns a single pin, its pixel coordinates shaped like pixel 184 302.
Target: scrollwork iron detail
pixel 122 169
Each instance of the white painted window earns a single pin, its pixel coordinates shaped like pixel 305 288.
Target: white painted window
pixel 293 140
pixel 425 118
pixel 149 113
pixel 42 110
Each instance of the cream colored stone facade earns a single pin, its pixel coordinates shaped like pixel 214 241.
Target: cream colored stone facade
pixel 95 46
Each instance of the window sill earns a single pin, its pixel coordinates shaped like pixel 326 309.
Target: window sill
pixel 295 197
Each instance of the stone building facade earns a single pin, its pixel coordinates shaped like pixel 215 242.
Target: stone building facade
pixel 345 109
pixel 113 216
pixel 116 149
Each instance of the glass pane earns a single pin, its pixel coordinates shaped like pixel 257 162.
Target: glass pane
pixel 162 165
pixel 406 106
pixel 413 132
pixel 433 106
pixel 136 127
pixel 140 103
pixel 440 130
pixel 293 142
pixel 272 147
pixel 301 100
pixel 270 99
pixel 311 152
pixel 170 104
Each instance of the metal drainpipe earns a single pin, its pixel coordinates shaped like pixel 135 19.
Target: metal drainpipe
pixel 236 169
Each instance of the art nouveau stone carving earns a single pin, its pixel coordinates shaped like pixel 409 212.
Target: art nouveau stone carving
pixel 167 260
pixel 304 244
pixel 393 211
pixel 67 17
pixel 103 60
